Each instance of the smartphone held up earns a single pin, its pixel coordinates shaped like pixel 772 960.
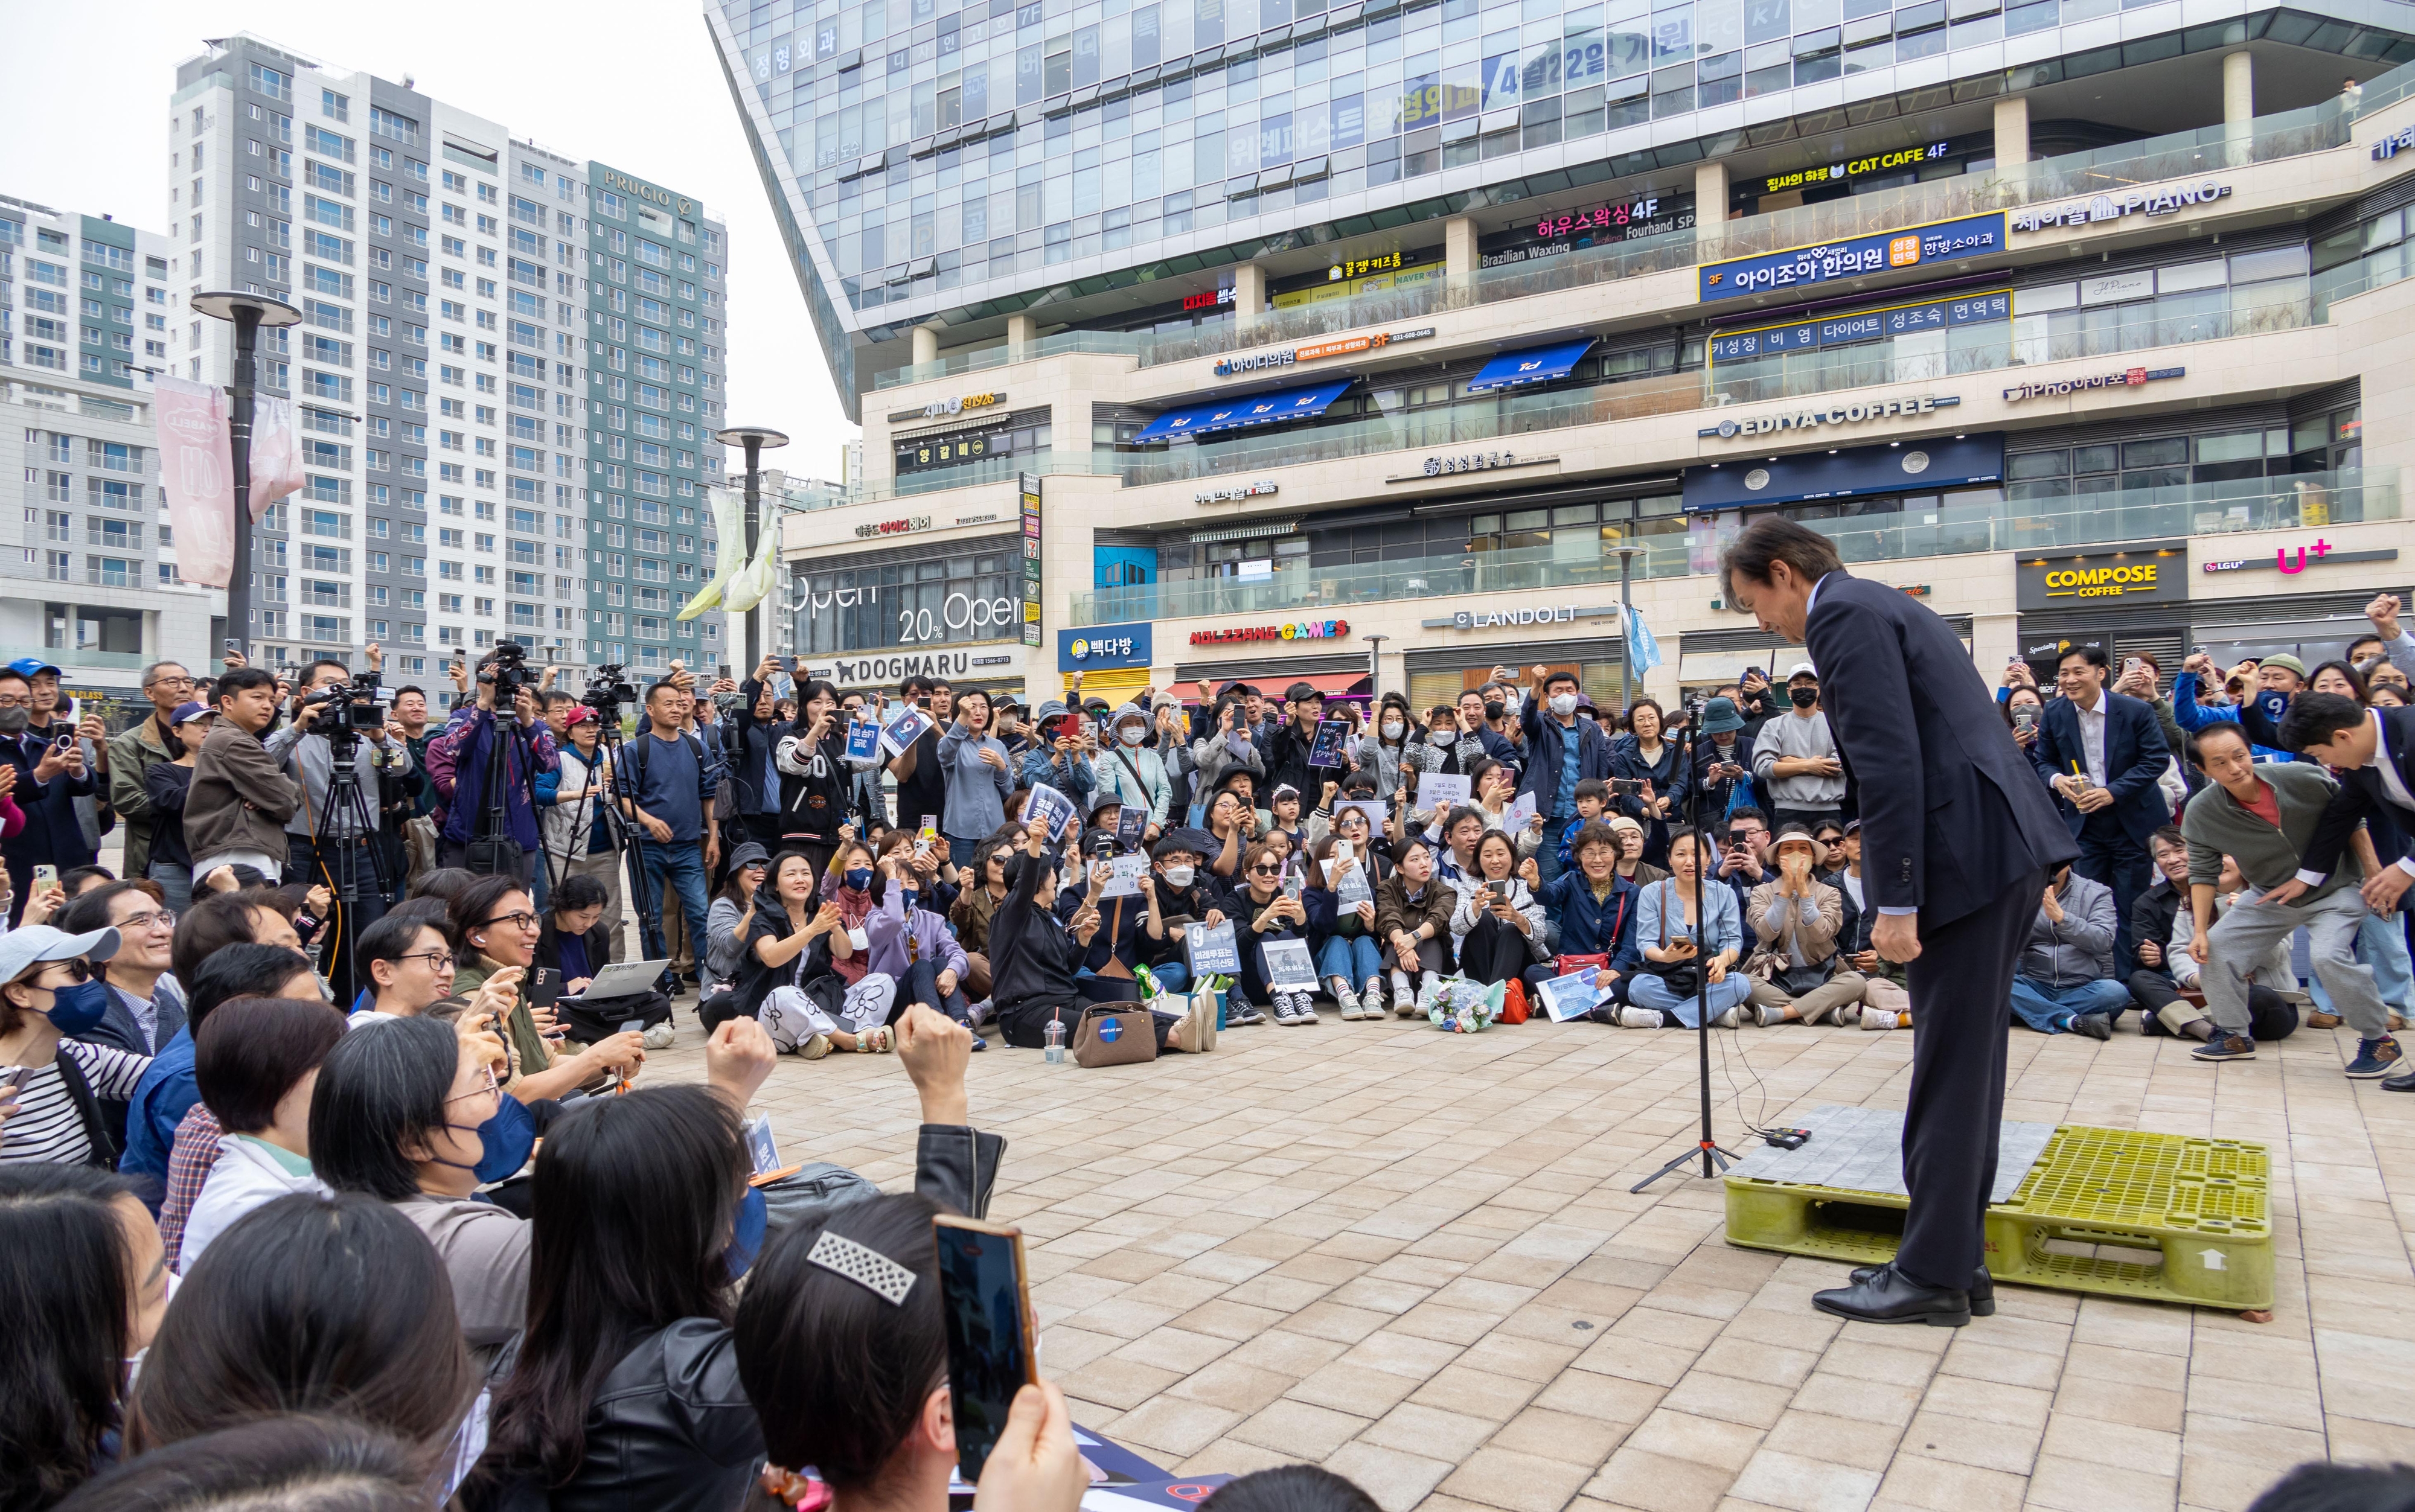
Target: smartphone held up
pixel 993 1339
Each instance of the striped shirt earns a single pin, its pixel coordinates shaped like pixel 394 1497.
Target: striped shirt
pixel 46 1126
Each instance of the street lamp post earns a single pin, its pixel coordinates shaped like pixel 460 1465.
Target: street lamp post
pixel 756 439
pixel 1374 663
pixel 1627 552
pixel 248 313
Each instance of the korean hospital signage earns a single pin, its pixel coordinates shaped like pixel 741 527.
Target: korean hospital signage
pixel 1316 351
pixel 1811 267
pixel 2125 377
pixel 943 408
pixel 1862 414
pixel 2154 572
pixel 2163 201
pixel 1442 467
pixel 1296 630
pixel 1264 488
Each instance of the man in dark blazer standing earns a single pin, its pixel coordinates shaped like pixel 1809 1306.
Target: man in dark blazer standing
pixel 2101 753
pixel 1957 841
pixel 2372 752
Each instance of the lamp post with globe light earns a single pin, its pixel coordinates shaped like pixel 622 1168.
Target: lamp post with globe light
pixel 247 313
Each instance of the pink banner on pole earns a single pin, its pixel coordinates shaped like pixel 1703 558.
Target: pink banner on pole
pixel 276 453
pixel 196 473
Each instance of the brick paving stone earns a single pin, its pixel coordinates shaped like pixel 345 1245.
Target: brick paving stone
pixel 1414 1259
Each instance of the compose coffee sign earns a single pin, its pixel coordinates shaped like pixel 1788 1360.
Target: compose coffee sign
pixel 2151 571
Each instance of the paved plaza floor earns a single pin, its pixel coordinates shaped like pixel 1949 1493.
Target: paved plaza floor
pixel 1413 1257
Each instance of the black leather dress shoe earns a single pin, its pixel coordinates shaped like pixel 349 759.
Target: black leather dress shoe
pixel 1983 1288
pixel 1890 1297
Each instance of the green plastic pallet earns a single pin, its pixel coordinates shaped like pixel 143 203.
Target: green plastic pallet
pixel 2157 1217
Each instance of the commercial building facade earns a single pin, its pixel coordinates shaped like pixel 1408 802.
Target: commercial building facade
pixel 2021 292
pixel 88 563
pixel 509 370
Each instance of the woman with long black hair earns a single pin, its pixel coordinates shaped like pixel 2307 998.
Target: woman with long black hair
pixel 87 1280
pixel 815 778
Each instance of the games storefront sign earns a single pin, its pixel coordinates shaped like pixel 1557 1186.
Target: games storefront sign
pixel 1255 635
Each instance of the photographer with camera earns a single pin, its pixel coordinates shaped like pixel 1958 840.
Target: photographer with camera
pixel 581 829
pixel 490 805
pixel 336 710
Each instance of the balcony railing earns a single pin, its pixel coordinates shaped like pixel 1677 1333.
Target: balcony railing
pixel 1957 522
pixel 2157 159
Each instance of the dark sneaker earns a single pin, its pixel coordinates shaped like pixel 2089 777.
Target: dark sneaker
pixel 2374 1059
pixel 2405 1082
pixel 2094 1025
pixel 1239 1014
pixel 2226 1045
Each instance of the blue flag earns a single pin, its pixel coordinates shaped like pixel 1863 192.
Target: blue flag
pixel 1644 650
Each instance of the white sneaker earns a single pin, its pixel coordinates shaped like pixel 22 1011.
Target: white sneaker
pixel 1427 994
pixel 659 1036
pixel 1347 1000
pixel 1874 1018
pixel 1725 1021
pixel 1641 1018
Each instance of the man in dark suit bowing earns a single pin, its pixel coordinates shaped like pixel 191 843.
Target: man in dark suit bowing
pixel 1957 839
pixel 2102 752
pixel 2373 752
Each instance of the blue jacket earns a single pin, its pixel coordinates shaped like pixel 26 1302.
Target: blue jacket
pixel 1594 927
pixel 1672 779
pixel 1546 753
pixel 470 731
pixel 166 1093
pixel 2259 717
pixel 52 833
pixel 1722 920
pixel 2135 757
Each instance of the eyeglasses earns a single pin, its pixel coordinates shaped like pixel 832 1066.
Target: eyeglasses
pixel 15 700
pixel 149 919
pixel 489 1089
pixel 1266 871
pixel 437 960
pixel 517 921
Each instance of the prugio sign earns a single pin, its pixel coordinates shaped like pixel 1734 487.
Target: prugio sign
pixel 1296 630
pixel 2153 571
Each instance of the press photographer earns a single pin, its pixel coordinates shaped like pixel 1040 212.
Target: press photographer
pixel 491 804
pixel 338 745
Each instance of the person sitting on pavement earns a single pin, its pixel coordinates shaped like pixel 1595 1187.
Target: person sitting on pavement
pixel 1798 974
pixel 2065 981
pixel 2273 998
pixel 1591 910
pixel 1691 951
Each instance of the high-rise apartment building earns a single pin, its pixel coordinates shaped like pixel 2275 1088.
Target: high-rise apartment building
pixel 1355 341
pixel 88 564
pixel 508 371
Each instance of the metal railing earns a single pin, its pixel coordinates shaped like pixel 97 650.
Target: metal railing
pixel 1954 523
pixel 2128 165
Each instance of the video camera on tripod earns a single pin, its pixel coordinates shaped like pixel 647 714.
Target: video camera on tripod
pixel 507 664
pixel 351 707
pixel 607 690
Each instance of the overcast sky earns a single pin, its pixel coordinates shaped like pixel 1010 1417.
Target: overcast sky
pixel 83 126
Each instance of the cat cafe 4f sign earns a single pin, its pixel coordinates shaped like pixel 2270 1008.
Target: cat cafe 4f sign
pixel 2168 199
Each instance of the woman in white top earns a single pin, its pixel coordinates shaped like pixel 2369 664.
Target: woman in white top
pixel 49 994
pixel 256 1063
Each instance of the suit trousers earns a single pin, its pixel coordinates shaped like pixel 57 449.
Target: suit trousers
pixel 1955 1112
pixel 2108 854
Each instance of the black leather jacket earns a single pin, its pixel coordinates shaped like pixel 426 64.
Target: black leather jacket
pixel 670 1428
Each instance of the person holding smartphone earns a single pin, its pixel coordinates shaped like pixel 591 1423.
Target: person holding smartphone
pixel 51 775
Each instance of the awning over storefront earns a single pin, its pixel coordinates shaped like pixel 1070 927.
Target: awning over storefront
pixel 1231 415
pixel 1536 365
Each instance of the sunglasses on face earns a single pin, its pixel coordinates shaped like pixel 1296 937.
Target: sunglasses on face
pixel 1266 871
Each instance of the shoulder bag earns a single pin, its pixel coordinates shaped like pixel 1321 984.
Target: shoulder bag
pixel 1113 1034
pixel 1684 979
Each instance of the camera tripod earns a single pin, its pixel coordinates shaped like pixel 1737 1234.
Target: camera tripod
pixel 611 748
pixel 344 833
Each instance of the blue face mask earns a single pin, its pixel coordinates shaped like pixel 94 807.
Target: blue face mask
pixel 747 1237
pixel 504 1142
pixel 74 1009
pixel 858 877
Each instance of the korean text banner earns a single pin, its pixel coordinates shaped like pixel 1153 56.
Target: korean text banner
pixel 1810 268
pixel 198 476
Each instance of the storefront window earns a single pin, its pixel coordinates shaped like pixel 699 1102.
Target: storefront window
pixel 942 601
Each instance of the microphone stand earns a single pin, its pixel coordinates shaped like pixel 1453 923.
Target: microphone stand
pixel 1706 1147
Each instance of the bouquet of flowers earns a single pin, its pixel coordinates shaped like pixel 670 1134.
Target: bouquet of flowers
pixel 1463 1007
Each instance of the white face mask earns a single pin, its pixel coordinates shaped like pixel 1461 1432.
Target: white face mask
pixel 1131 734
pixel 1564 704
pixel 1392 729
pixel 1179 876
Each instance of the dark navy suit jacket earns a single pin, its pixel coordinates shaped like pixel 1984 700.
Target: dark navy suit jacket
pixel 2362 798
pixel 1952 815
pixel 2135 757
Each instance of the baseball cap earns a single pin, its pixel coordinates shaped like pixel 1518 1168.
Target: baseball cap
pixel 29 665
pixel 579 715
pixel 189 711
pixel 21 950
pixel 1800 669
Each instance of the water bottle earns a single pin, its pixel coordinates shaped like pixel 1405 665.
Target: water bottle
pixel 1054 1044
